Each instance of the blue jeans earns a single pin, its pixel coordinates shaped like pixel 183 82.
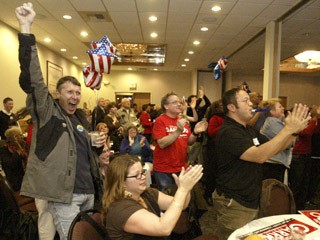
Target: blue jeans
pixel 64 213
pixel 163 179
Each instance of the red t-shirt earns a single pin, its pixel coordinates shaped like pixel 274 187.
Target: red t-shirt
pixel 172 158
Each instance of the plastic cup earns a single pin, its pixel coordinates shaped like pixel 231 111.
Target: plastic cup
pixel 94 136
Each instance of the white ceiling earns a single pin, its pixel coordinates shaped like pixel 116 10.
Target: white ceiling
pixel 235 32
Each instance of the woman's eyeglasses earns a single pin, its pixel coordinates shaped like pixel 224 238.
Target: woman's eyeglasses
pixel 139 175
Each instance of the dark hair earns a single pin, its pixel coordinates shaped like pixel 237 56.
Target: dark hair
pixel 110 105
pixel 164 100
pixel 145 106
pixel 229 97
pixel 190 98
pixel 214 109
pixel 65 79
pixel 7 99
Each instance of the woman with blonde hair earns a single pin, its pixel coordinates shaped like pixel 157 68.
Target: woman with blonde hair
pixel 130 210
pixel 14 156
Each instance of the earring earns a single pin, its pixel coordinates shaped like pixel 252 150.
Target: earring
pixel 127 194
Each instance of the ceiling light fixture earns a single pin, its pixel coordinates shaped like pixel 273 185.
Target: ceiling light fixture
pixel 155 69
pixel 153 35
pixel 183 65
pixel 84 34
pixel 204 29
pixel 186 59
pixel 67 17
pixel 47 40
pixel 308 56
pixel 63 50
pixel 84 63
pixel 190 52
pixel 129 68
pixel 216 8
pixel 75 57
pixel 196 42
pixel 153 18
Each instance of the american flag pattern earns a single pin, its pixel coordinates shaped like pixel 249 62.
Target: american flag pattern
pixel 104 41
pixel 92 80
pixel 102 57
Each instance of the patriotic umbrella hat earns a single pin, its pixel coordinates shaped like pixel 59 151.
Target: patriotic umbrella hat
pixel 102 57
pixel 219 67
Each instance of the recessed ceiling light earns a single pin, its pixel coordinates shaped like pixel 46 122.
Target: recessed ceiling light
pixel 155 69
pixel 186 59
pixel 183 65
pixel 68 17
pixel 154 35
pixel 47 40
pixel 216 8
pixel 191 52
pixel 75 57
pixel 204 29
pixel 153 18
pixel 129 68
pixel 196 42
pixel 84 63
pixel 63 50
pixel 84 34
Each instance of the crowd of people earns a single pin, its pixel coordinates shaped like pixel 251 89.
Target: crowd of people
pixel 229 146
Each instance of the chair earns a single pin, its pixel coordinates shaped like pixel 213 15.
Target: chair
pixel 276 199
pixel 15 223
pixel 87 225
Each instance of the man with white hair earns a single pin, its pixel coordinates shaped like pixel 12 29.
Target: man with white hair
pixel 126 114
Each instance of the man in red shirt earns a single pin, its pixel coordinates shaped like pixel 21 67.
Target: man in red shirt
pixel 172 135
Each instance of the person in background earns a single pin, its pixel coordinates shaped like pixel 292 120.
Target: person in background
pixel 172 135
pixel 153 112
pixel 277 165
pixel 314 187
pixel 258 117
pixel 115 128
pixel 126 114
pixel 131 210
pixel 98 113
pixel 7 117
pixel 202 103
pixel 240 152
pixel 104 157
pixel 136 144
pixel 300 169
pixel 14 156
pixel 215 118
pixel 70 177
pixel 146 122
pixel 195 151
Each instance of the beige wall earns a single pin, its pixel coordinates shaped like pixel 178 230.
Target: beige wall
pixel 295 86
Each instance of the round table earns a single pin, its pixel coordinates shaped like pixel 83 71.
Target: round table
pixel 267 221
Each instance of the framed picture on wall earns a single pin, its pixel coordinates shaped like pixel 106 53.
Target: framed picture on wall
pixel 54 73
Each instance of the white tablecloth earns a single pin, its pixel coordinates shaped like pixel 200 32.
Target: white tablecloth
pixel 267 221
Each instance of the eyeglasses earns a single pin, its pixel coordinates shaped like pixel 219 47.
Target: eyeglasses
pixel 139 175
pixel 247 100
pixel 175 102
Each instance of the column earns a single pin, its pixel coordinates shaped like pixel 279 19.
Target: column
pixel 271 74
